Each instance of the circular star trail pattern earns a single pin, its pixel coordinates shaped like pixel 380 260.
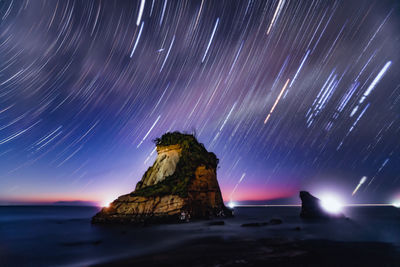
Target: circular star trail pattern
pixel 289 94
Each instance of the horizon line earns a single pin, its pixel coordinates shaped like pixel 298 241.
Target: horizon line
pixel 235 206
pixel 299 205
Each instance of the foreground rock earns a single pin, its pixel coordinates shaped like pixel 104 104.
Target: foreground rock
pixel 180 186
pixel 311 208
pixel 254 224
pixel 273 221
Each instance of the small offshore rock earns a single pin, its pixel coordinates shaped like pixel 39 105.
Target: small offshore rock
pixel 275 221
pixel 216 223
pixel 311 208
pixel 255 224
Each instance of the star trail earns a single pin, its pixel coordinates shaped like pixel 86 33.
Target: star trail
pixel 289 94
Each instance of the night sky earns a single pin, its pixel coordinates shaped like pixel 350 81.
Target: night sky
pixel 289 95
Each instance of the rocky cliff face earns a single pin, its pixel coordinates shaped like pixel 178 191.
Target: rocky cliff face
pixel 164 166
pixel 181 185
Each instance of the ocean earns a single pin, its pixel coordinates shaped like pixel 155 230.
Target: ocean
pixel 64 236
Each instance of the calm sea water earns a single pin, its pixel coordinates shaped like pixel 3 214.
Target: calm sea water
pixel 63 236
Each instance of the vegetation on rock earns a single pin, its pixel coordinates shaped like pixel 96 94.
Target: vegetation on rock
pixel 193 155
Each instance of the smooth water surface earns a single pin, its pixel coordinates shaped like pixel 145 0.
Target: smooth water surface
pixel 64 236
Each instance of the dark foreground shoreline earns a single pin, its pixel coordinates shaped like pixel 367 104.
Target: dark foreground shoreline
pixel 267 236
pixel 218 251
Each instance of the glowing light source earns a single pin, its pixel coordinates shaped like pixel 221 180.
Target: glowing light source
pixel 331 204
pixel 231 204
pixel 396 204
pixel 106 203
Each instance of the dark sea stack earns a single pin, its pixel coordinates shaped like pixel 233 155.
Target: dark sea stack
pixel 180 186
pixel 311 207
pixel 275 221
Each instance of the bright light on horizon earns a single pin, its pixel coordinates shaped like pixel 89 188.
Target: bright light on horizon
pixel 106 203
pixel 396 204
pixel 231 204
pixel 331 204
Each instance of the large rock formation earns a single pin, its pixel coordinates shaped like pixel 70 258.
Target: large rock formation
pixel 181 185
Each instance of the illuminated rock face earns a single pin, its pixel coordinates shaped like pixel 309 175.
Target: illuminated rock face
pixel 181 185
pixel 164 166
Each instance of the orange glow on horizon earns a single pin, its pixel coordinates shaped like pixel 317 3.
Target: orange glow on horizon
pixel 98 198
pixel 104 199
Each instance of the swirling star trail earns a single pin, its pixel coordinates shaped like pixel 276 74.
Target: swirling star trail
pixel 295 94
